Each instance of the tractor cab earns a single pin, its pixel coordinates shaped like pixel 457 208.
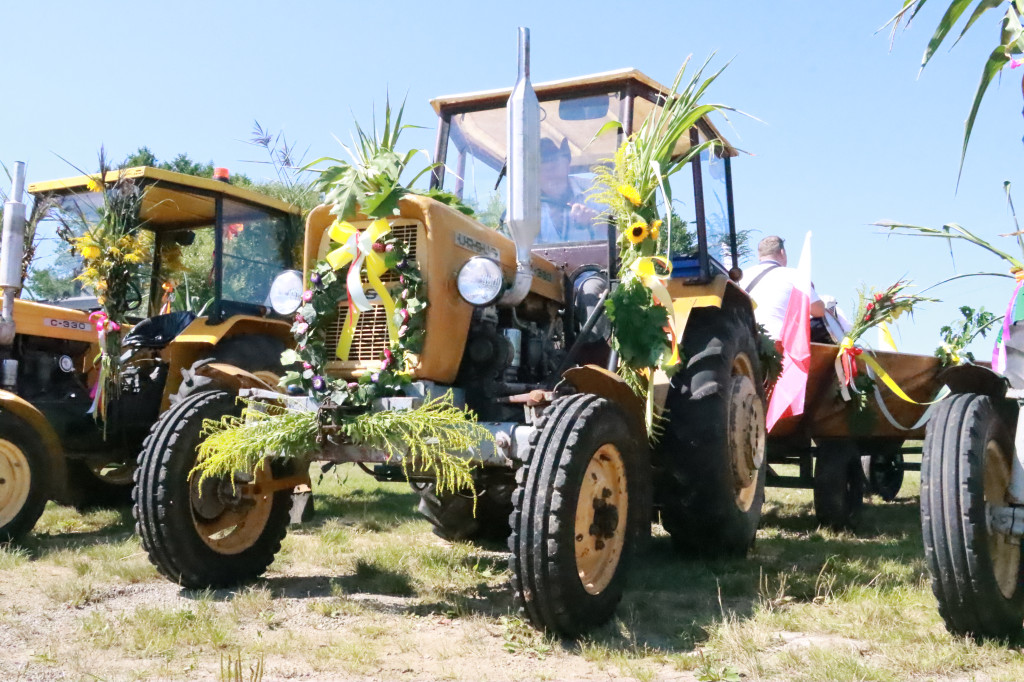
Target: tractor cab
pixel 472 146
pixel 216 250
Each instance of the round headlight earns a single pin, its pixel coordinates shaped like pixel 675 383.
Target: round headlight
pixel 480 282
pixel 286 292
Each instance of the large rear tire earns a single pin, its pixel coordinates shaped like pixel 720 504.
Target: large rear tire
pixel 203 535
pixel 710 464
pixel 965 468
pixel 579 507
pixel 24 487
pixel 254 353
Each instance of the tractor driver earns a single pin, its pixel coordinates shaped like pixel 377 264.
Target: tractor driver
pixel 770 282
pixel 564 213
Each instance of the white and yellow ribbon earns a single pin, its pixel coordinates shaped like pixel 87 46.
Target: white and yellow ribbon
pixel 645 270
pixel 355 250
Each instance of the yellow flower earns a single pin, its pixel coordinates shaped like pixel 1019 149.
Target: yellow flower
pixel 637 232
pixel 93 185
pixel 91 252
pixel 630 193
pixel 102 300
pixel 655 229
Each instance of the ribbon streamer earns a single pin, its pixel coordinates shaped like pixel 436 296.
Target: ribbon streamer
pixel 999 352
pixel 846 367
pixel 103 325
pixel 644 269
pixel 355 250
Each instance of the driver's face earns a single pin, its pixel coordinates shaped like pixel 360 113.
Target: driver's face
pixel 554 176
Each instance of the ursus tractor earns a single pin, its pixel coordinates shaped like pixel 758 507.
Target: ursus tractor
pixel 220 331
pixel 515 331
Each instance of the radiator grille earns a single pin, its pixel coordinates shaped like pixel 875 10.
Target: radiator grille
pixel 371 334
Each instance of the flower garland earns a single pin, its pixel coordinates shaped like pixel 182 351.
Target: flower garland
pixel 328 286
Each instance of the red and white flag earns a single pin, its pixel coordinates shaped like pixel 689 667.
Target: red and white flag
pixel 790 390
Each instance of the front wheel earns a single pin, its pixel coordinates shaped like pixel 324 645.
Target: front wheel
pixel 214 533
pixel 23 477
pixel 965 470
pixel 578 512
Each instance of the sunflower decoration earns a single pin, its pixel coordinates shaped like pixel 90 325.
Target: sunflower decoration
pixel 114 248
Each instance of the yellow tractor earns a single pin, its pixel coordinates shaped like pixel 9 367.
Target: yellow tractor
pixel 514 330
pixel 242 243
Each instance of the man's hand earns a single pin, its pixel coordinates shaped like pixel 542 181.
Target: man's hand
pixel 581 214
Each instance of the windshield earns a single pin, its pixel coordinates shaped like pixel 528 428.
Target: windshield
pixel 569 152
pixel 257 248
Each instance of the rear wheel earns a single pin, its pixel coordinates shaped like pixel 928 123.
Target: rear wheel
pixel 579 508
pixel 838 484
pixel 453 517
pixel 712 454
pixel 23 477
pixel 214 533
pixel 882 463
pixel 965 469
pixel 94 483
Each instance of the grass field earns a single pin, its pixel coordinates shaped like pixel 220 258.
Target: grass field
pixel 365 591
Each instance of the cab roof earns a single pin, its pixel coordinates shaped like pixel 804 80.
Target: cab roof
pixel 622 81
pixel 170 198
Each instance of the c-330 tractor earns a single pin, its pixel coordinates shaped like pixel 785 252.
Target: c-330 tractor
pixel 243 246
pixel 514 330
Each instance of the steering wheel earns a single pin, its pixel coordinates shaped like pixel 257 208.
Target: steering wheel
pixel 133 297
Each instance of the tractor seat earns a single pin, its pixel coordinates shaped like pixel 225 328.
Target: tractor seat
pixel 159 330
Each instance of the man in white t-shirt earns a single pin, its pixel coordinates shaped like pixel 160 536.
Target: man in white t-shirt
pixel 770 282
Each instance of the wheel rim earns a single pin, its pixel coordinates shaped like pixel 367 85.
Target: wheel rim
pixel 1004 552
pixel 228 521
pixel 746 432
pixel 601 513
pixel 114 473
pixel 15 481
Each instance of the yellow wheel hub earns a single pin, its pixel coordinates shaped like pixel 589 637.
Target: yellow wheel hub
pixel 15 481
pixel 1003 549
pixel 228 521
pixel 601 513
pixel 747 434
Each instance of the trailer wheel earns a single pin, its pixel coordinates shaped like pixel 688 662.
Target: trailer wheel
pixel 209 534
pixel 452 515
pixel 882 464
pixel 965 468
pixel 578 511
pixel 711 458
pixel 23 477
pixel 838 484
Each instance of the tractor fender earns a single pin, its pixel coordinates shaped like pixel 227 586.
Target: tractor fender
pixel 599 381
pixel 974 379
pixel 720 292
pixel 232 377
pixel 199 338
pixel 31 415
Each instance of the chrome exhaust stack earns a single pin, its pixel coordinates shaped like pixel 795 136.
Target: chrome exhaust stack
pixel 12 247
pixel 523 173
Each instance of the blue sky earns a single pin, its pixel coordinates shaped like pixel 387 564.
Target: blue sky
pixel 851 135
